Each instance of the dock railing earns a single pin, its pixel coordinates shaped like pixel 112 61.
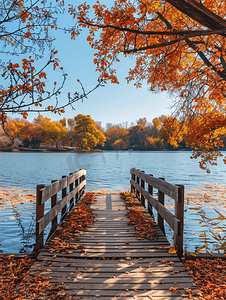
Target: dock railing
pixel 70 188
pixel 142 185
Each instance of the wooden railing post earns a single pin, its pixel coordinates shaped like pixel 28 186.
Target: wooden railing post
pixel 64 209
pixel 83 189
pixel 55 220
pixel 72 199
pixel 80 192
pixel 137 192
pixel 142 197
pixel 175 192
pixel 160 220
pixel 39 214
pixel 77 195
pixel 45 193
pixel 150 191
pixel 133 178
pixel 179 214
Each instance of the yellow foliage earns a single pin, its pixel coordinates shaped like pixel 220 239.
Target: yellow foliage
pixel 54 132
pixel 172 52
pixel 87 133
pixel 172 250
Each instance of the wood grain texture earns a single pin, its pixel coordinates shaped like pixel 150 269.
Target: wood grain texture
pixel 50 215
pixel 55 187
pixel 113 263
pixel 173 222
pixel 167 188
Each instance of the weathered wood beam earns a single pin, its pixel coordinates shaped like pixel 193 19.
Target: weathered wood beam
pixel 167 188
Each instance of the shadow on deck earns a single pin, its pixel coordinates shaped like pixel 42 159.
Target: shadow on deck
pixel 114 264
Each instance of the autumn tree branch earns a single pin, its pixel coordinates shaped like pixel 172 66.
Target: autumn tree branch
pixel 198 12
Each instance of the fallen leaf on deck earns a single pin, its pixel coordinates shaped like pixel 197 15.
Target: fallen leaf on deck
pixel 172 250
pixel 173 289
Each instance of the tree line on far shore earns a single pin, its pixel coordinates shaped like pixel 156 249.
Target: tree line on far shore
pixel 82 132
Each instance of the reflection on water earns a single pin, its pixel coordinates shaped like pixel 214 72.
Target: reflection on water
pixel 17 217
pixel 109 171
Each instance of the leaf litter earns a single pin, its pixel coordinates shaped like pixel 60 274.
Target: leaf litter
pixel 143 226
pixel 16 282
pixel 209 275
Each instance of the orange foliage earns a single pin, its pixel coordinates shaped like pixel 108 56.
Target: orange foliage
pixel 74 225
pixel 16 283
pixel 209 276
pixel 26 28
pixel 202 133
pixel 177 46
pixel 144 227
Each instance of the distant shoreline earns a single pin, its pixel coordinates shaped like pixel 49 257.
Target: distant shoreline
pixel 46 150
pixel 66 150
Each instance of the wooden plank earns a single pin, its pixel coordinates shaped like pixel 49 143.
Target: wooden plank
pixel 156 285
pixel 116 245
pixel 132 276
pixel 88 235
pixel 117 263
pixel 107 271
pixel 115 241
pixel 119 246
pixel 118 295
pixel 125 251
pixel 128 295
pixel 121 281
pixel 111 269
pixel 173 222
pixel 132 242
pixel 111 255
pixel 99 230
pixel 116 270
pixel 167 188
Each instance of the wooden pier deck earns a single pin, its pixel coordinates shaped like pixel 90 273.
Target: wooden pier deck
pixel 113 263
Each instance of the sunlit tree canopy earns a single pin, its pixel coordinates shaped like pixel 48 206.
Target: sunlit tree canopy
pixel 177 46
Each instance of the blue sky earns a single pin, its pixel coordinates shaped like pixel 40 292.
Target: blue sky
pixel 110 104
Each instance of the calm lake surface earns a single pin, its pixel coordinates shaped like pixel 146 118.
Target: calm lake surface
pixel 109 170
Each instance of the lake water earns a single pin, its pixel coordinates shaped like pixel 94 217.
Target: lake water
pixel 109 170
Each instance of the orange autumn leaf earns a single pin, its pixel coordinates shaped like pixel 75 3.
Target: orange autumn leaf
pixel 172 250
pixel 42 75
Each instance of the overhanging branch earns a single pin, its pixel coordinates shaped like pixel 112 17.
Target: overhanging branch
pixel 198 12
pixel 188 33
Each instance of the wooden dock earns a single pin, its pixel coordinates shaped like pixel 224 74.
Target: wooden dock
pixel 113 263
